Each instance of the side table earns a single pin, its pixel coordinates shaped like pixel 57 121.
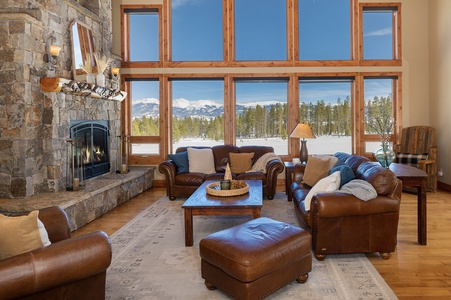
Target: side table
pixel 289 169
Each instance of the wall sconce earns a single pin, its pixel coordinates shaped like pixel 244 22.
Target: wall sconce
pixel 115 78
pixel 51 53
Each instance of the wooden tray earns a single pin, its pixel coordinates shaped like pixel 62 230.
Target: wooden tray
pixel 215 190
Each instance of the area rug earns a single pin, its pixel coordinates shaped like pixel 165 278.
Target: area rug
pixel 150 260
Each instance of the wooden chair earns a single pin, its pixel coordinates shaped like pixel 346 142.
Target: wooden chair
pixel 418 149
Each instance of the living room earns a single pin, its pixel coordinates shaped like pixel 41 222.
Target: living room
pixel 33 144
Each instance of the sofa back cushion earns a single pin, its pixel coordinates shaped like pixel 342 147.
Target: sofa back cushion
pixel 221 155
pixel 383 180
pixel 354 161
pixel 257 150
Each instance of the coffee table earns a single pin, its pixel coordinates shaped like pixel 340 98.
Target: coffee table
pixel 202 204
pixel 416 178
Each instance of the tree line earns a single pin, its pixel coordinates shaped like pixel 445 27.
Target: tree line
pixel 268 121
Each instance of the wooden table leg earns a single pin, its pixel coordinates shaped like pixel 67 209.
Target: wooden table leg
pixel 256 212
pixel 422 213
pixel 188 227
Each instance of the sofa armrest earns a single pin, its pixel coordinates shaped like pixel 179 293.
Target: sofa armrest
pixel 55 222
pixel 64 262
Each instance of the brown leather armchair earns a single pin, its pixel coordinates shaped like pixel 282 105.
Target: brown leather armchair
pixel 342 223
pixel 69 268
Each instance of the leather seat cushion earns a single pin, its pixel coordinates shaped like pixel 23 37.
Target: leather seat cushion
pixel 189 178
pixel 256 248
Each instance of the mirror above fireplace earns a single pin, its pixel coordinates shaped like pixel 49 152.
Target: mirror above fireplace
pixel 82 45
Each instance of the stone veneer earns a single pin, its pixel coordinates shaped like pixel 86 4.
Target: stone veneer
pixel 34 126
pixel 101 194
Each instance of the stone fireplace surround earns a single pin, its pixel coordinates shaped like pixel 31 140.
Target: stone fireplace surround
pixel 34 126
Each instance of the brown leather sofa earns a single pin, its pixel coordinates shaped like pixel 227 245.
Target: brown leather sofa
pixel 185 184
pixel 69 268
pixel 342 223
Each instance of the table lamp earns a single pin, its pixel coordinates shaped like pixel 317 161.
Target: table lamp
pixel 303 131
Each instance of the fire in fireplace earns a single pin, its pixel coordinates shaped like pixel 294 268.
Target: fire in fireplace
pixel 93 138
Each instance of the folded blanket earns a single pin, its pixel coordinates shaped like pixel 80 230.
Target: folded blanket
pixel 260 164
pixel 360 188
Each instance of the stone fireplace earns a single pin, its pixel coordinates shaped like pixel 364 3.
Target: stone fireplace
pixel 35 126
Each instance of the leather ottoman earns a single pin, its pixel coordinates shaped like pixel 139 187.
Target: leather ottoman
pixel 254 259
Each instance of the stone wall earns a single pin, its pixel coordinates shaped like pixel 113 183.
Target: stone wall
pixel 34 126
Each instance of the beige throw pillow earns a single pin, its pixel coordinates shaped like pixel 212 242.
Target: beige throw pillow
pixel 240 162
pixel 317 168
pixel 328 184
pixel 21 234
pixel 201 161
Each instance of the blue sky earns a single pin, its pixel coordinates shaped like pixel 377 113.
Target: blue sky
pixel 197 35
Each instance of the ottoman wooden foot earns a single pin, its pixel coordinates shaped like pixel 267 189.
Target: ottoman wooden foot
pixel 210 285
pixel 302 279
pixel 255 259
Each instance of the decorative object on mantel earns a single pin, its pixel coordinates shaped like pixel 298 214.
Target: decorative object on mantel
pixel 51 53
pixel 122 160
pixel 75 172
pixel 102 64
pixel 115 78
pixel 80 88
pixel 87 68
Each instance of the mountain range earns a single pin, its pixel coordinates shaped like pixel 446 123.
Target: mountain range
pixel 181 108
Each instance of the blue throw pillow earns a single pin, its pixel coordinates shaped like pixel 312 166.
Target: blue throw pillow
pixel 346 173
pixel 181 161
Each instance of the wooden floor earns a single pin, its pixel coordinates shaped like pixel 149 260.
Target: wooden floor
pixel 413 271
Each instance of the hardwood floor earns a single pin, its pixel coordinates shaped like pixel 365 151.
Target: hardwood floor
pixel 413 271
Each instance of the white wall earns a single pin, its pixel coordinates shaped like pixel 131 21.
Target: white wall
pixel 440 80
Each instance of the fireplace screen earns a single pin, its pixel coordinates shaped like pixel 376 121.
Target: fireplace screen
pixel 93 136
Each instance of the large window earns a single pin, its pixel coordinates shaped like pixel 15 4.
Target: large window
pixel 261 113
pixel 196 34
pixel 197 112
pixel 379 110
pixel 142 43
pixel 325 30
pixel 260 30
pixel 245 72
pixel 380 32
pixel 145 116
pixel 326 104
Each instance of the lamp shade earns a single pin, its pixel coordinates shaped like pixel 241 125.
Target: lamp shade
pixel 302 131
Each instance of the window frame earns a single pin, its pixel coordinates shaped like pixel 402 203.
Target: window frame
pixel 362 137
pixel 396 29
pixel 354 34
pixel 125 40
pixel 139 159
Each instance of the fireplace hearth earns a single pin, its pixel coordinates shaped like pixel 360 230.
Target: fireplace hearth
pixel 92 139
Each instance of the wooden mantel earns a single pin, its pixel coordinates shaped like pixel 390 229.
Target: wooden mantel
pixel 80 88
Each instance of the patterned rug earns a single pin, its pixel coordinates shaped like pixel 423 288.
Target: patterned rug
pixel 150 260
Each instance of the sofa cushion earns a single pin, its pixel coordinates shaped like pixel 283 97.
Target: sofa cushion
pixel 330 183
pixel 317 168
pixel 382 179
pixel 346 173
pixel 189 179
pixel 201 160
pixel 354 161
pixel 181 161
pixel 21 234
pixel 410 159
pixel 240 162
pixel 221 155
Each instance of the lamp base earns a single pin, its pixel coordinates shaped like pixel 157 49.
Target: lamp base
pixel 303 155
